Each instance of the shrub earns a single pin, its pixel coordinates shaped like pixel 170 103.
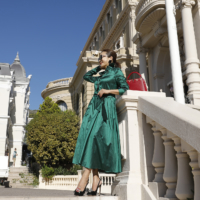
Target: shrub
pixel 64 171
pixel 47 172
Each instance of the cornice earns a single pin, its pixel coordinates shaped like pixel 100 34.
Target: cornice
pixel 56 87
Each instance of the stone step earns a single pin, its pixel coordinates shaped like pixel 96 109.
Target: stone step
pixel 17 175
pixel 22 186
pixel 18 170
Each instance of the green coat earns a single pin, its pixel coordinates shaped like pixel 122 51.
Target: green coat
pixel 98 144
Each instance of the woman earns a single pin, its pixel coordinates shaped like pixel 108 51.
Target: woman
pixel 14 156
pixel 98 144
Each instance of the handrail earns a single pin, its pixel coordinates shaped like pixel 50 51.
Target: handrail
pixel 181 120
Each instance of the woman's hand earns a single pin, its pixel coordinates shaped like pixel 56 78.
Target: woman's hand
pixel 103 91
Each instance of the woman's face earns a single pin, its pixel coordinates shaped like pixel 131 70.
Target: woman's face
pixel 104 62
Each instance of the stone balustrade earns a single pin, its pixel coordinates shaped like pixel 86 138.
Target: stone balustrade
pixel 141 5
pixel 70 182
pixel 160 148
pixel 61 182
pixel 64 81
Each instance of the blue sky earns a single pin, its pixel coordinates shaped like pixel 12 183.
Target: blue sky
pixel 49 35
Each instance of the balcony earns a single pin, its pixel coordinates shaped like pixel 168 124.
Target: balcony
pixel 149 11
pixel 63 81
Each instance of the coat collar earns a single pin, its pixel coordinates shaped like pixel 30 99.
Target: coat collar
pixel 109 67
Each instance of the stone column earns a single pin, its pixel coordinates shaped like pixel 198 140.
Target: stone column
pixel 185 182
pixel 142 57
pixel 143 66
pixel 170 171
pixel 192 61
pixel 132 30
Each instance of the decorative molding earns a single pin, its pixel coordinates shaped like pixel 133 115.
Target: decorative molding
pixel 149 22
pixel 141 49
pixel 148 7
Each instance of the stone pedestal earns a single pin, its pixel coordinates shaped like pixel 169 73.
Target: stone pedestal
pixel 128 183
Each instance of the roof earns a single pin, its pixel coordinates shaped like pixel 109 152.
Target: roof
pixel 18 68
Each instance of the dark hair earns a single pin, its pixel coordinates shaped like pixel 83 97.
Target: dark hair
pixel 110 53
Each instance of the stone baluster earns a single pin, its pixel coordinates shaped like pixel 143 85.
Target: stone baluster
pixel 170 171
pixel 159 154
pixel 192 61
pixel 195 167
pixel 184 182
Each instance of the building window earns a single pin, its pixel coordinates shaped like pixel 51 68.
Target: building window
pixel 109 20
pixel 119 6
pixel 101 34
pixel 62 105
pixel 116 3
pixel 96 43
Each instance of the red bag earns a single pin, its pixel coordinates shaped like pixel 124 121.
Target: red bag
pixel 136 84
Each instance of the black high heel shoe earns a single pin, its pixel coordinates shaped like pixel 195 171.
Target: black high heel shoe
pixel 94 193
pixel 80 193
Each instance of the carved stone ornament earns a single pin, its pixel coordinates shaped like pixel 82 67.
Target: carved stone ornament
pixel 132 15
pixel 188 3
pixel 141 49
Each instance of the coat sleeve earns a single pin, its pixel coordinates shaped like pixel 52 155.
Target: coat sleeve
pixel 121 82
pixel 89 75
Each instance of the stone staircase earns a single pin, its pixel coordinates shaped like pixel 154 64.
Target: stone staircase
pixel 20 177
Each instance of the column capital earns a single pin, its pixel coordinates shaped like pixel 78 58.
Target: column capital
pixel 141 49
pixel 187 3
pixel 132 16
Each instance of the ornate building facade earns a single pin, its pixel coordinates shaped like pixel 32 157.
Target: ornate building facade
pixel 153 45
pixel 14 104
pixel 114 29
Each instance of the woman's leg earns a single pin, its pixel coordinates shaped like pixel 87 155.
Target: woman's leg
pixel 95 179
pixel 84 179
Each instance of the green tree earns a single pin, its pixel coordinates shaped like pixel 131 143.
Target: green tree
pixel 48 107
pixel 52 134
pixel 32 113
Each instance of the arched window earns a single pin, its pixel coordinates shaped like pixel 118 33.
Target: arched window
pixel 62 105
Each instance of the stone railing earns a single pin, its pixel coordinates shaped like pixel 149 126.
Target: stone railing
pixel 61 182
pixel 141 5
pixel 64 81
pixel 107 181
pixel 160 145
pixel 70 182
